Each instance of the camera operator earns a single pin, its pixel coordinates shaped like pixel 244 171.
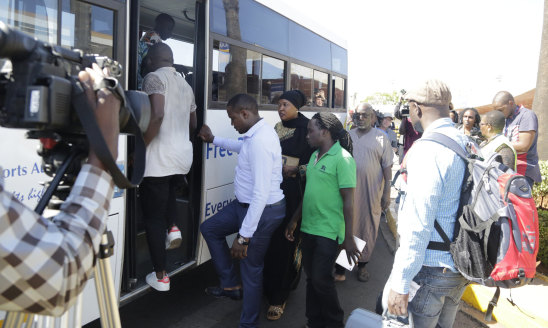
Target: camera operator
pixel 410 135
pixel 44 265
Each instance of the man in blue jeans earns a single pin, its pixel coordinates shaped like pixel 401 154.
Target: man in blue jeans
pixel 255 214
pixel 434 179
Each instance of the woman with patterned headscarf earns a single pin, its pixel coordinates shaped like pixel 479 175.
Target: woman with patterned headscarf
pixel 283 260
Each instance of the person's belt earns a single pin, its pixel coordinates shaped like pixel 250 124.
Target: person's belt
pixel 280 202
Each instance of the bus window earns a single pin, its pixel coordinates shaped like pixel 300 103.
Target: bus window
pixel 35 17
pixel 302 78
pixel 320 89
pixel 235 70
pixel 87 27
pixel 253 66
pixel 272 80
pixel 338 92
pixel 339 59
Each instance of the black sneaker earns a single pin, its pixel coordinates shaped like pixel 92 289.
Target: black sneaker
pixel 235 294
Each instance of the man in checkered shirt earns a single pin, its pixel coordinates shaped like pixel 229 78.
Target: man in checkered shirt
pixel 45 264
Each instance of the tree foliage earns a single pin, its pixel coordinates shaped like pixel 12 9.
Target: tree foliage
pixel 383 98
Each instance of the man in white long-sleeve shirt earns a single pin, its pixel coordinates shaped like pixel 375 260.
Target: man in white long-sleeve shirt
pixel 255 214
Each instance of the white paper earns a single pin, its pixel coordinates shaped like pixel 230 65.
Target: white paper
pixel 342 260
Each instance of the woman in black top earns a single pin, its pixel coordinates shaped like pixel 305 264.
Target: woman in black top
pixel 283 259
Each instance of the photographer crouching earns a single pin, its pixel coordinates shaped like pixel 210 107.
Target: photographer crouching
pixel 45 264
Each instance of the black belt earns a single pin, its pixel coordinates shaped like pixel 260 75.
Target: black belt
pixel 246 205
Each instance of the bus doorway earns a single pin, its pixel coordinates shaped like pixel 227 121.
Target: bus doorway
pixel 137 259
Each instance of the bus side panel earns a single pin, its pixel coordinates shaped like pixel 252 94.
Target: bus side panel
pixel 21 166
pixel 218 168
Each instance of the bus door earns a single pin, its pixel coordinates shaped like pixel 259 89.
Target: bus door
pixel 137 261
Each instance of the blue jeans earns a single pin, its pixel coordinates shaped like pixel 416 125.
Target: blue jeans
pixel 227 222
pixel 436 302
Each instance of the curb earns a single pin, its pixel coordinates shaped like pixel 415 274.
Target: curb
pixel 541 276
pixel 505 313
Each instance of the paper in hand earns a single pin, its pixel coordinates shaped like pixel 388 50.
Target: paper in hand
pixel 342 260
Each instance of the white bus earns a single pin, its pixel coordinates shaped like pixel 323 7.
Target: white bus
pixel 278 48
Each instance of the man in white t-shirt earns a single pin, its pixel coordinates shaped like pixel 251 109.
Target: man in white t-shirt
pixel 168 156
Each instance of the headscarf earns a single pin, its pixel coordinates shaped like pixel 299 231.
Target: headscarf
pixel 296 97
pixel 331 123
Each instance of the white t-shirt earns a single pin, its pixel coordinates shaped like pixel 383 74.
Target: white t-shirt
pixel 170 152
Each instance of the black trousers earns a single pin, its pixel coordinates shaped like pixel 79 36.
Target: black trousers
pixel 158 203
pixel 322 302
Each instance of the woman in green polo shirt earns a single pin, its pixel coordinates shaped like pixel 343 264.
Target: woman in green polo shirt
pixel 326 213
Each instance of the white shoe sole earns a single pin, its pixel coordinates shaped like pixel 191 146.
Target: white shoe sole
pixel 173 240
pixel 153 282
pixel 175 243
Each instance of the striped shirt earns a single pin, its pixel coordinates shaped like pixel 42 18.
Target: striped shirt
pixel 45 264
pixel 434 179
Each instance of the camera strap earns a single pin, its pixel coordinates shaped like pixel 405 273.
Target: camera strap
pixel 98 144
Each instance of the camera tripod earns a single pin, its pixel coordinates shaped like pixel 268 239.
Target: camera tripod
pixel 104 284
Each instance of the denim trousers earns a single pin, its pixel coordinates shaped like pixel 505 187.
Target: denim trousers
pixel 228 221
pixel 436 302
pixel 323 309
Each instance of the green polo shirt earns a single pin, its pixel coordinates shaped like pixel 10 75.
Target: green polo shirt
pixel 322 202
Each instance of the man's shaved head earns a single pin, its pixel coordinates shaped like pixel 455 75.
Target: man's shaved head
pixel 161 53
pixel 503 97
pixel 364 108
pixel 504 102
pixel 158 56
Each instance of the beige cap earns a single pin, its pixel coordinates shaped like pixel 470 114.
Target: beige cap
pixel 431 92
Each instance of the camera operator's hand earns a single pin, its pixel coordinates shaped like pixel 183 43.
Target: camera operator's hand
pixel 206 134
pixel 106 107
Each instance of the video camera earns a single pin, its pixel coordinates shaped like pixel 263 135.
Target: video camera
pixel 39 91
pixel 403 110
pixel 380 117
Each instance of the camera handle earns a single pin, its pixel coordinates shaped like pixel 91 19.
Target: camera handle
pixel 99 145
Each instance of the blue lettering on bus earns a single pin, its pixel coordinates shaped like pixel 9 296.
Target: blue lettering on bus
pixel 214 208
pixel 213 151
pixel 37 169
pixel 22 170
pixel 35 193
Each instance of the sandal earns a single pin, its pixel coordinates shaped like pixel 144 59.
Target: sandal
pixel 363 275
pixel 275 312
pixel 339 277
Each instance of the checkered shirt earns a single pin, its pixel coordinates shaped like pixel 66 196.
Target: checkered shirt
pixel 44 264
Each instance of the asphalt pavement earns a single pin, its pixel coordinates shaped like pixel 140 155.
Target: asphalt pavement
pixel 186 305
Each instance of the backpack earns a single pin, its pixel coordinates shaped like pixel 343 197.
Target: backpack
pixel 495 243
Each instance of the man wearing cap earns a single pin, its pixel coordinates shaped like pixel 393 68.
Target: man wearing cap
pixel 522 130
pixel 386 127
pixel 434 177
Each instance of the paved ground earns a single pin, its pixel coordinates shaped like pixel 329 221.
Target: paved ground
pixel 186 305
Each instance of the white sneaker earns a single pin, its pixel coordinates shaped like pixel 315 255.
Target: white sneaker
pixel 173 238
pixel 161 285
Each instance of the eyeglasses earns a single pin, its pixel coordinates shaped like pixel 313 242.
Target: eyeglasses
pixel 361 115
pixel 482 124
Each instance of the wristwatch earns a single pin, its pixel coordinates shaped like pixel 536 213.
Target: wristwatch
pixel 241 240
